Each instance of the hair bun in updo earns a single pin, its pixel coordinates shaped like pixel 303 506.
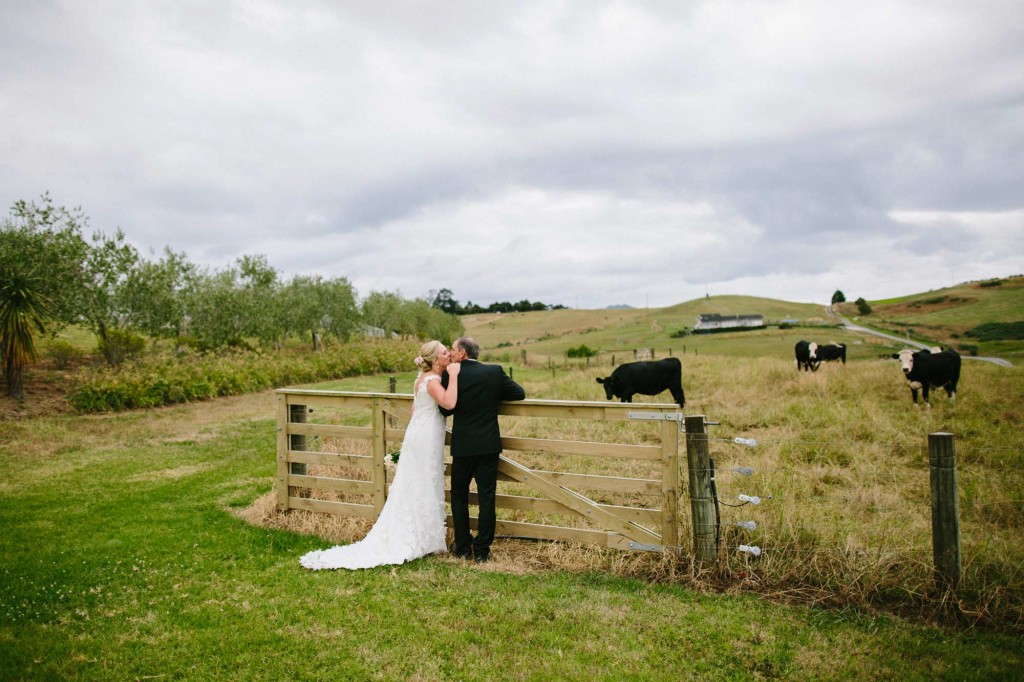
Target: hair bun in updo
pixel 429 353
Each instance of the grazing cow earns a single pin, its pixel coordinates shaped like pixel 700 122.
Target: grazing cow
pixel 832 351
pixel 647 378
pixel 807 356
pixel 924 368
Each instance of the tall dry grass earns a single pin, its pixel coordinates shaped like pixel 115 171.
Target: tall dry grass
pixel 842 464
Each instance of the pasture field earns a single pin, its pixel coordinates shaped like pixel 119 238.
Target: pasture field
pixel 552 332
pixel 941 317
pixel 125 553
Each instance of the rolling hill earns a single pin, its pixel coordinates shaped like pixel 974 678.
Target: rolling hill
pixel 942 317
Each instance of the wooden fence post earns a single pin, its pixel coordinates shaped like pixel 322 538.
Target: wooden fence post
pixel 297 415
pixel 702 506
pixel 392 388
pixel 945 510
pixel 378 450
pixel 670 488
pixel 282 453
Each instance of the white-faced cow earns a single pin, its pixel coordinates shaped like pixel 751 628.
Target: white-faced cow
pixel 807 356
pixel 924 368
pixel 832 351
pixel 646 378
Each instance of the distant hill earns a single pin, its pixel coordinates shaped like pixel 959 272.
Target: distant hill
pixel 942 317
pixel 552 332
pixel 947 316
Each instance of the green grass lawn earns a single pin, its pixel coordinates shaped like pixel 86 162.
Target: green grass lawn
pixel 120 558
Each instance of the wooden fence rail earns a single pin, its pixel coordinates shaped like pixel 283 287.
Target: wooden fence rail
pixel 306 418
pixel 653 526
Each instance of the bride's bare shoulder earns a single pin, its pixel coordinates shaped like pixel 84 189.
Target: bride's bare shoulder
pixel 422 379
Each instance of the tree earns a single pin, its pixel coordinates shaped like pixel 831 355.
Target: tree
pixel 108 265
pixel 303 307
pixel 862 306
pixel 341 314
pixel 259 299
pixel 215 311
pixel 445 301
pixel 384 310
pixel 44 238
pixel 23 312
pixel 153 295
pixel 838 297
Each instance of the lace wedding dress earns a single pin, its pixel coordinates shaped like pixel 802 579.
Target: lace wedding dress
pixel 411 524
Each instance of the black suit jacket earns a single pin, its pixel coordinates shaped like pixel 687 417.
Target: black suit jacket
pixel 475 423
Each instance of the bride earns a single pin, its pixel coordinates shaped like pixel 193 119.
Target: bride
pixel 411 524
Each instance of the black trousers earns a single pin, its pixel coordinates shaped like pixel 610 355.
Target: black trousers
pixel 483 468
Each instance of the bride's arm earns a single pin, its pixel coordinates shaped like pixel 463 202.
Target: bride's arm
pixel 446 398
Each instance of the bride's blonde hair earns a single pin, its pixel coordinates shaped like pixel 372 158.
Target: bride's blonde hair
pixel 428 355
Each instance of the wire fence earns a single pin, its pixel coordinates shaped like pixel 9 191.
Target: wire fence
pixel 756 517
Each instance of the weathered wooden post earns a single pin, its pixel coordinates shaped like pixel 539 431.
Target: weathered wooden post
pixel 392 388
pixel 702 506
pixel 378 449
pixel 297 441
pixel 945 510
pixel 671 464
pixel 281 485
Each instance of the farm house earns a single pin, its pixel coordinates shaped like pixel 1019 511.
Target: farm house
pixel 715 322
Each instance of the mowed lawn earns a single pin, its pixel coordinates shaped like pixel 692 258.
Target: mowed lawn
pixel 121 559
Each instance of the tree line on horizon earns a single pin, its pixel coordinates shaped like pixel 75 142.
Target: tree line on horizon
pixel 52 276
pixel 445 300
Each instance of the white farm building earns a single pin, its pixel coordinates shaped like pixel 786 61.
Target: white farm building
pixel 714 322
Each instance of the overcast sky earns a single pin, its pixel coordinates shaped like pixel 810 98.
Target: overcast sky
pixel 586 153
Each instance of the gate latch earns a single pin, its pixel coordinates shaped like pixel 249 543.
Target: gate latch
pixel 657 416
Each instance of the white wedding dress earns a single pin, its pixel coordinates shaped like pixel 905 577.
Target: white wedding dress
pixel 411 524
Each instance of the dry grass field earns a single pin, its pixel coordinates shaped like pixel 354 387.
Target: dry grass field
pixel 840 461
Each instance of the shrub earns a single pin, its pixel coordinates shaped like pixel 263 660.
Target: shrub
pixel 63 353
pixel 998 331
pixel 862 306
pixel 581 351
pixel 192 376
pixel 119 345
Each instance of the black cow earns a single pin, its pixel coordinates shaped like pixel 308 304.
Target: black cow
pixel 807 356
pixel 832 351
pixel 647 378
pixel 924 369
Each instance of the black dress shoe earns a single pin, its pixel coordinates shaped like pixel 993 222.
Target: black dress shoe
pixel 482 558
pixel 468 556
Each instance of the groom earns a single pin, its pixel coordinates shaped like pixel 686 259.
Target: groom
pixel 476 445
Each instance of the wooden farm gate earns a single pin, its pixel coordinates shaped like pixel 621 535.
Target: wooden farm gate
pixel 305 422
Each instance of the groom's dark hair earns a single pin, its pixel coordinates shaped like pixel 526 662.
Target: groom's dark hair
pixel 471 347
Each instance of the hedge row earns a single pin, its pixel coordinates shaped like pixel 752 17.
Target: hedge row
pixel 194 376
